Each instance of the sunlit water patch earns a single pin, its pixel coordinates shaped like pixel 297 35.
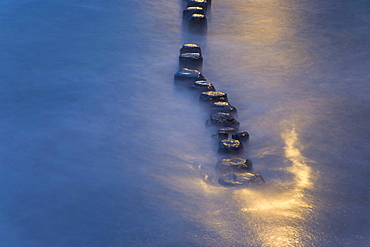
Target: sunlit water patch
pixel 281 210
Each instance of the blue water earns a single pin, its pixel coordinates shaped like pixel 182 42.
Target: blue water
pixel 98 148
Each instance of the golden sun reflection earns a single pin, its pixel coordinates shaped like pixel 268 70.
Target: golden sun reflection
pixel 266 22
pixel 272 48
pixel 282 209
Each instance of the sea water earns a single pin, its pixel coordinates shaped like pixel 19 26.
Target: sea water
pixel 99 148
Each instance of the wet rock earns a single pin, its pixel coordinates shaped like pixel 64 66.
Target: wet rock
pixel 222 106
pixel 213 96
pixel 241 135
pixel 224 132
pixel 234 164
pixel 186 77
pixel 230 146
pixel 190 48
pixel 222 119
pixel 191 60
pixel 189 11
pixel 240 179
pixel 235 171
pixel 203 86
pixel 197 23
pixel 198 3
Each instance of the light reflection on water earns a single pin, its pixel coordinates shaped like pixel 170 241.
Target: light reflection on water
pixel 282 208
pixel 275 54
pixel 278 213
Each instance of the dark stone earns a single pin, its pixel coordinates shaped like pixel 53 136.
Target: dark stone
pixel 186 77
pixel 189 11
pixel 203 85
pixel 190 48
pixel 212 96
pixel 234 164
pixel 222 106
pixel 198 3
pixel 221 135
pixel 223 119
pixel 191 60
pixel 230 146
pixel 235 171
pixel 197 23
pixel 224 132
pixel 241 135
pixel 240 179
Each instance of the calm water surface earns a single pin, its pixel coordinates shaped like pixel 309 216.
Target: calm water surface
pixel 98 148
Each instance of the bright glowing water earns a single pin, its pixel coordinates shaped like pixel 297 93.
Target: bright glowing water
pixel 99 149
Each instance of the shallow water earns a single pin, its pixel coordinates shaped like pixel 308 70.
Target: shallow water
pixel 99 148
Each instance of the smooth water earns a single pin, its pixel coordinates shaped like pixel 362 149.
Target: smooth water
pixel 98 148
